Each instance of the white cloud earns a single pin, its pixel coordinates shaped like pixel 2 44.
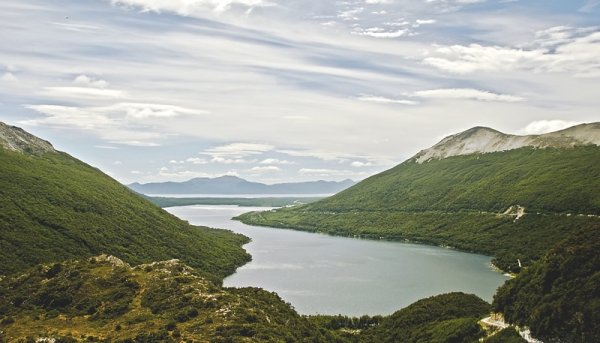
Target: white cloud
pixel 77 27
pixel 9 77
pixel 462 59
pixel 350 14
pixel 558 49
pixel 276 161
pixel 544 126
pixel 84 92
pixel 143 111
pixel 85 80
pixel 238 150
pixel 425 21
pixel 360 164
pixel 196 160
pixel 421 22
pixel 135 143
pixel 190 7
pixel 264 169
pixel 224 160
pixel 378 1
pixel 378 32
pixel 119 123
pixel 465 93
pixel 384 100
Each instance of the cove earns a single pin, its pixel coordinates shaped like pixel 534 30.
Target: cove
pixel 321 274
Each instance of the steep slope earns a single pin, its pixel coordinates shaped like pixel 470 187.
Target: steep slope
pixel 236 185
pixel 55 207
pixel 557 297
pixel 513 204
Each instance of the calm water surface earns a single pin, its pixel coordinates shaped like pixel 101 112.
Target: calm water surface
pixel 330 275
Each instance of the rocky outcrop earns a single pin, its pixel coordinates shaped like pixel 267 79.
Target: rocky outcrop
pixel 16 139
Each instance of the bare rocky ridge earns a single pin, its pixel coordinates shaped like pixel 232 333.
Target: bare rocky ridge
pixel 16 139
pixel 486 140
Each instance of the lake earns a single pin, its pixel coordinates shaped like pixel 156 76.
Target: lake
pixel 324 274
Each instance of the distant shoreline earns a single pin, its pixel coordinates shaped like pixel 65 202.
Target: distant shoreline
pixel 165 202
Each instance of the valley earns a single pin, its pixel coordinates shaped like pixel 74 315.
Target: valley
pixel 91 268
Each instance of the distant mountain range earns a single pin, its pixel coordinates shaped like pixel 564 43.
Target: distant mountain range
pixel 236 185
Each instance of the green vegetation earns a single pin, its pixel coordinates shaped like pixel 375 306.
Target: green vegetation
pixel 459 201
pixel 508 335
pixel 557 297
pixel 102 299
pixel 55 207
pixel 448 318
pixel 245 202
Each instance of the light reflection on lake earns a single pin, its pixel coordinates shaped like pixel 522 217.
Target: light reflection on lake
pixel 329 275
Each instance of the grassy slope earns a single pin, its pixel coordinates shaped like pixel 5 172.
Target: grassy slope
pixel 456 202
pixel 101 299
pixel 55 207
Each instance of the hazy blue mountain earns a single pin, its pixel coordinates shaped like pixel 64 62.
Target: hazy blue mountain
pixel 236 185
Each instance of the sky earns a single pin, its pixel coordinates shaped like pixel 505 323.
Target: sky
pixel 283 91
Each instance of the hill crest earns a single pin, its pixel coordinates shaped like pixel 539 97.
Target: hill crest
pixel 485 140
pixel 16 139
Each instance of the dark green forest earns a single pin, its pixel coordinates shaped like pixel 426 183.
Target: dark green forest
pixel 55 207
pixel 558 297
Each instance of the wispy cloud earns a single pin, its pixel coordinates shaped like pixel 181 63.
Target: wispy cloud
pixel 190 7
pixel 276 161
pixel 238 150
pixel 264 169
pixel 465 93
pixel 121 123
pixel 370 86
pixel 557 49
pixel 384 100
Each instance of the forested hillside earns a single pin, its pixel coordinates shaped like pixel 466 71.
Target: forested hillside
pixel 557 297
pixel 55 207
pixel 513 205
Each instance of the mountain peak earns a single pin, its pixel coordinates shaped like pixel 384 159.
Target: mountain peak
pixel 16 139
pixel 481 139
